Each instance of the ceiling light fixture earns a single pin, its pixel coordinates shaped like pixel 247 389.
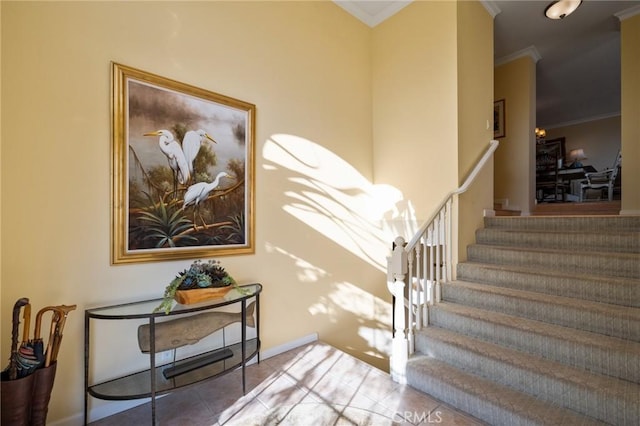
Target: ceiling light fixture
pixel 561 9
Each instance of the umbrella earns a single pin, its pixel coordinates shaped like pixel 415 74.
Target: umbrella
pixel 63 310
pixel 52 331
pixel 12 369
pixel 26 361
pixel 31 353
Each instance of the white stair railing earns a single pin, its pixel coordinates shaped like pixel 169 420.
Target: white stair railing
pixel 416 271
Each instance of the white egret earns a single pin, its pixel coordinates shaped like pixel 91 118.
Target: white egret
pixel 172 150
pixel 191 143
pixel 199 192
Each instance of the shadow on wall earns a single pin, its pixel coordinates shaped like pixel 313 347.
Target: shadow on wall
pixel 327 194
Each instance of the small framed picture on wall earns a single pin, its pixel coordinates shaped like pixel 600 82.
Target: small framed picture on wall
pixel 498 119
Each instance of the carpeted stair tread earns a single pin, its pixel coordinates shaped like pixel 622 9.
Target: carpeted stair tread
pixel 611 320
pixel 486 400
pixel 565 223
pixel 615 241
pixel 547 310
pixel 587 262
pixel 602 397
pixel 614 290
pixel 579 348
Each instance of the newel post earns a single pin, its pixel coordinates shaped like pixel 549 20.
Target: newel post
pixel 400 344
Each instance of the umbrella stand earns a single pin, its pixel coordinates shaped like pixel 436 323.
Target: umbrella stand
pixel 25 400
pixel 16 401
pixel 42 387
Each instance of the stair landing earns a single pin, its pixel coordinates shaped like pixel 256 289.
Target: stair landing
pixel 587 208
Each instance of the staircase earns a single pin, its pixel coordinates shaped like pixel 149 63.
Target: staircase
pixel 542 326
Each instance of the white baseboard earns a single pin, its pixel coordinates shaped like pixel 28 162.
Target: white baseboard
pixel 277 350
pixel 106 410
pixel 502 202
pixel 114 407
pixel 628 212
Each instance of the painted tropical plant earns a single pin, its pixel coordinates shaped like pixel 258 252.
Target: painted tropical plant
pixel 163 214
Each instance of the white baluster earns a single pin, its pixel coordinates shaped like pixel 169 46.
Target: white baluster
pixel 450 243
pixel 400 346
pixel 432 275
pixel 410 295
pixel 425 279
pixel 418 290
pixel 437 244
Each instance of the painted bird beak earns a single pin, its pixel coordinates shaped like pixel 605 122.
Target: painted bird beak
pixel 210 138
pixel 156 133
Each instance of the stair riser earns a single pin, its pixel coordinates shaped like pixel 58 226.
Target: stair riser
pixel 624 365
pixel 468 402
pixel 531 324
pixel 610 223
pixel 567 316
pixel 627 265
pixel 584 399
pixel 488 401
pixel 613 242
pixel 615 291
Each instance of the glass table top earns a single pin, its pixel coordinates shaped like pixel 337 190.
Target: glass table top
pixel 144 309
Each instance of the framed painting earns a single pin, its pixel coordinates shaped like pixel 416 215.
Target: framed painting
pixel 182 170
pixel 499 119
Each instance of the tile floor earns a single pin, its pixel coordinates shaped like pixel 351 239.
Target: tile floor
pixel 312 385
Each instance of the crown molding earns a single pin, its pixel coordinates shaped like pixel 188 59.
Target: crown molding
pixel 369 18
pixel 530 51
pixel 582 120
pixel 491 7
pixel 628 13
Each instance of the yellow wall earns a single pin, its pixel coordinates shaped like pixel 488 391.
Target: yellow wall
pixel 514 164
pixel 326 88
pixel 430 115
pixel 475 113
pixel 306 65
pixel 415 104
pixel 2 311
pixel 630 40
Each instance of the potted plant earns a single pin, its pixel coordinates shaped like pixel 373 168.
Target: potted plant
pixel 201 281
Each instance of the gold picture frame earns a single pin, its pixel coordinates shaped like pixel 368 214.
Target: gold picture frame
pixel 182 166
pixel 499 119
